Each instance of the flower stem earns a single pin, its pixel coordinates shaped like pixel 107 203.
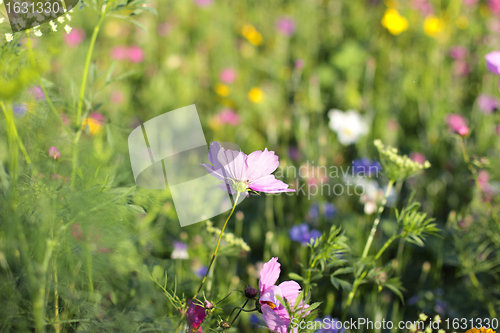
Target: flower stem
pixel 82 93
pixel 47 98
pixel 211 261
pixel 237 314
pixel 368 245
pixel 386 245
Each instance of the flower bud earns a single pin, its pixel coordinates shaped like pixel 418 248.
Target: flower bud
pixel 250 292
pixel 225 325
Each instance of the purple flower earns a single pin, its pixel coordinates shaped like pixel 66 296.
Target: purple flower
pixel 20 109
pixel 365 168
pixel 285 26
pixel 201 271
pixel 180 251
pixel 329 210
pixel 195 315
pixel 493 62
pixel 313 211
pixel 54 153
pixel 330 325
pixel 37 93
pixel 243 173
pixel 487 103
pixel 294 153
pixel 300 233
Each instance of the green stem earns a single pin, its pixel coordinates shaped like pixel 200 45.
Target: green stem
pixel 368 245
pixel 39 299
pixel 389 241
pixel 211 261
pixel 307 284
pixel 47 98
pixel 89 272
pixel 237 314
pixel 82 93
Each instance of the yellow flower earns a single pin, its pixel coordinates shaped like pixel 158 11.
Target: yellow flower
pixel 222 89
pixel 433 25
pixel 462 22
pixel 394 22
pixel 255 95
pixel 482 330
pixel 250 33
pixel 94 126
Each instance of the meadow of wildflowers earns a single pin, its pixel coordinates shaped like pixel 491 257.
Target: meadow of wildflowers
pixel 369 134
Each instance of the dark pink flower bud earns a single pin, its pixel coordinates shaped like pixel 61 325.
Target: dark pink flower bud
pixel 250 292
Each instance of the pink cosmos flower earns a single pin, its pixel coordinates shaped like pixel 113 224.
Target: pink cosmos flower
pixel 494 6
pixel 195 315
pixel 228 116
pixel 228 75
pixel 487 103
pixel 242 172
pixel 286 26
pixel 135 54
pixel 203 3
pixel 54 153
pixel 75 37
pixel 119 53
pixel 274 312
pixel 457 124
pixel 493 62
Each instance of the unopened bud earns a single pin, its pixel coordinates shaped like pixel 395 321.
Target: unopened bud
pixel 250 292
pixel 225 324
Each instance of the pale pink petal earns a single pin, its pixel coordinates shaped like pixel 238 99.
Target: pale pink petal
pixel 269 274
pixel 269 184
pixel 273 321
pixel 493 62
pixel 269 295
pixel 290 290
pixel 261 163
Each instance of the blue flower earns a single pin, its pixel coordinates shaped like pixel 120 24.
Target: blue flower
pixel 329 210
pixel 313 211
pixel 201 271
pixel 20 109
pixel 300 233
pixel 366 168
pixel 331 325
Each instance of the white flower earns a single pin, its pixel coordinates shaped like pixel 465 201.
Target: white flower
pixel 68 29
pixel 53 25
pixel 1 2
pixel 9 37
pixel 38 33
pixel 349 125
pixel 1 18
pixel 68 17
pixel 61 19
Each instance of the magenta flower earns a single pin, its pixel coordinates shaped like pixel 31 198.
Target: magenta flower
pixel 458 52
pixel 37 93
pixel 274 313
pixel 493 62
pixel 494 6
pixel 135 54
pixel 487 103
pixel 242 172
pixel 75 37
pixel 54 153
pixel 195 315
pixel 286 26
pixel 457 124
pixel 228 75
pixel 228 116
pixel 203 3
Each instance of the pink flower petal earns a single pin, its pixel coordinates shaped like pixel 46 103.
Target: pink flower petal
pixel 273 321
pixel 493 62
pixel 261 163
pixel 269 274
pixel 269 184
pixel 269 295
pixel 290 290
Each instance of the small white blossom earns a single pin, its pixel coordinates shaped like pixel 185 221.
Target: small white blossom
pixel 349 125
pixel 9 37
pixel 1 2
pixel 53 25
pixel 61 19
pixel 68 29
pixel 1 18
pixel 68 17
pixel 38 33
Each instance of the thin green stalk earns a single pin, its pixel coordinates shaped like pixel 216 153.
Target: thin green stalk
pixel 82 93
pixel 386 245
pixel 39 299
pixel 211 261
pixel 235 317
pixel 47 98
pixel 89 272
pixel 307 283
pixel 358 279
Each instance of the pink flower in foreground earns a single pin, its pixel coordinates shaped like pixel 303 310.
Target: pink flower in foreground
pixel 286 26
pixel 274 312
pixel 195 315
pixel 75 37
pixel 457 124
pixel 228 116
pixel 493 62
pixel 135 54
pixel 54 153
pixel 228 75
pixel 242 172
